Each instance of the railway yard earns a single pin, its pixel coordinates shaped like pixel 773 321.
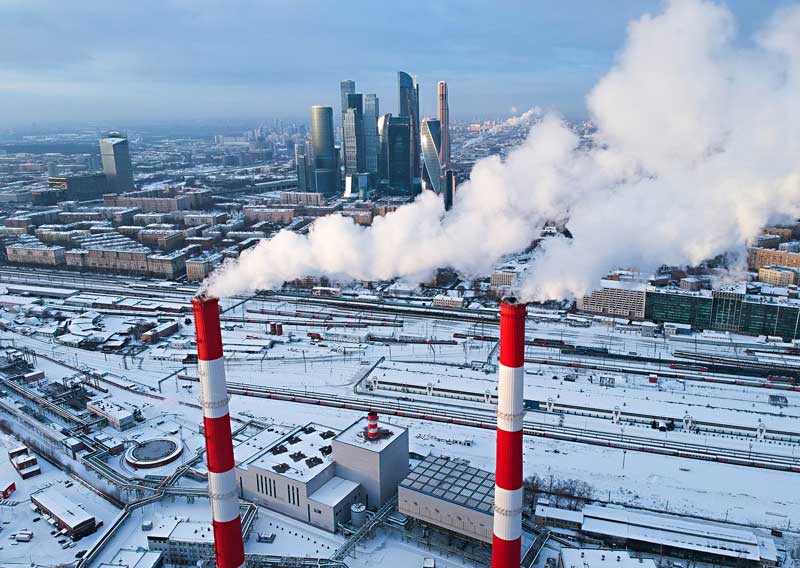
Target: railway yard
pixel 705 425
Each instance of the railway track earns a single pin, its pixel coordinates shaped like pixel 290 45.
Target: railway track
pixel 592 412
pixel 485 420
pixel 573 364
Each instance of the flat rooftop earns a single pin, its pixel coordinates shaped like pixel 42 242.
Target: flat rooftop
pixel 597 558
pixel 454 481
pixel 356 435
pixel 68 512
pixel 334 491
pixel 298 455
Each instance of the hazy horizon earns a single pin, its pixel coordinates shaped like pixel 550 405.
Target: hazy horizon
pixel 148 62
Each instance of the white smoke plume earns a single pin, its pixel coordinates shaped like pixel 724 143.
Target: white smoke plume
pixel 528 117
pixel 698 147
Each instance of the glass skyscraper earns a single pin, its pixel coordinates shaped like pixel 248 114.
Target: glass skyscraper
pixel 398 153
pixel 116 157
pixel 408 97
pixel 370 122
pixel 353 140
pixel 431 137
pixel 324 165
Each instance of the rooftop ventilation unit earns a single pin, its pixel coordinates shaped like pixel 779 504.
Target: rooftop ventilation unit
pixel 313 461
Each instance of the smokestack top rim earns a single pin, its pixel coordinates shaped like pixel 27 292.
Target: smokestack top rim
pixel 203 298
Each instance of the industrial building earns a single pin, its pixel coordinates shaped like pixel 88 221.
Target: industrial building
pixel 117 416
pixel 26 464
pixel 378 463
pixel 600 558
pixel 129 558
pixel 666 534
pixel 450 494
pixel 68 516
pixel 316 473
pixel 184 542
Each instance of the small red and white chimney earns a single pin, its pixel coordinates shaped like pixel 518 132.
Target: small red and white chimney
pixel 507 539
pixel 228 543
pixel 372 425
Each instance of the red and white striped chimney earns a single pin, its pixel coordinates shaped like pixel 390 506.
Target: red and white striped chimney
pixel 228 543
pixel 372 425
pixel 506 543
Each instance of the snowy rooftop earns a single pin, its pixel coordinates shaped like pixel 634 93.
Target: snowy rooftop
pixel 594 558
pixel 54 501
pixel 454 481
pixel 356 435
pixel 672 531
pixel 297 455
pixel 334 490
pixel 128 558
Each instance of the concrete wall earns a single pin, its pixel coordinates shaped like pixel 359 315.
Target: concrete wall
pixel 462 520
pixel 379 473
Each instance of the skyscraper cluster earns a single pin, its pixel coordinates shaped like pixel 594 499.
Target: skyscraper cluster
pixel 396 153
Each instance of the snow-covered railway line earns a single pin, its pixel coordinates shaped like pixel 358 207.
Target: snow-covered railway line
pixel 486 420
pixel 590 411
pixel 683 376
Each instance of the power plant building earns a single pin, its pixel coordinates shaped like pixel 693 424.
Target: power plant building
pixel 316 473
pixel 378 465
pixel 450 494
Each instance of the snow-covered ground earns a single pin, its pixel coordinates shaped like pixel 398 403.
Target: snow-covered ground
pixel 152 380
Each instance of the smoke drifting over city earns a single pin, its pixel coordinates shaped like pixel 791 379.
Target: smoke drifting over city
pixel 697 148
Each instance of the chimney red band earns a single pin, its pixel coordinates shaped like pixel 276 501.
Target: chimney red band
pixel 508 474
pixel 506 553
pixel 207 330
pixel 228 543
pixel 512 334
pixel 219 444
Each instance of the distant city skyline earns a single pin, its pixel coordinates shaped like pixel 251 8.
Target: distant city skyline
pixel 145 62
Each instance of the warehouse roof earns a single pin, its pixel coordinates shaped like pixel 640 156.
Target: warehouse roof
pixel 454 481
pixel 60 506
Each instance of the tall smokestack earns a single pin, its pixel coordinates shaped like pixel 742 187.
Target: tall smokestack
pixel 372 425
pixel 506 543
pixel 444 120
pixel 228 543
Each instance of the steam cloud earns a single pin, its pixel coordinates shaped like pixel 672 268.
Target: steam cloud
pixel 698 147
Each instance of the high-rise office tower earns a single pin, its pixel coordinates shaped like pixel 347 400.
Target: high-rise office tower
pixel 371 114
pixel 353 140
pixel 408 96
pixel 383 139
pixel 301 165
pixel 346 88
pixel 444 120
pixel 431 137
pixel 324 166
pixel 449 189
pixel 116 158
pixel 398 153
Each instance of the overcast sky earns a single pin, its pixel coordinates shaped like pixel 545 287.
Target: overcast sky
pixel 144 61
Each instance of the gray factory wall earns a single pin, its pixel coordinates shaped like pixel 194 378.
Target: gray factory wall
pixel 445 514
